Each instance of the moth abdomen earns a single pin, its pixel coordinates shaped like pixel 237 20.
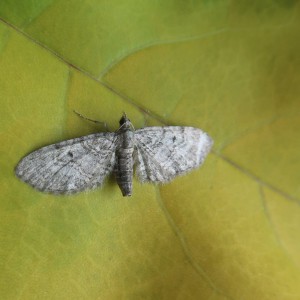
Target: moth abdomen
pixel 124 171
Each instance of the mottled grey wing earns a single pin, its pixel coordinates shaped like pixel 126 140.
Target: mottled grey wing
pixel 165 152
pixel 69 166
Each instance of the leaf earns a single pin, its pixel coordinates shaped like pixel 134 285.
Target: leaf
pixel 226 231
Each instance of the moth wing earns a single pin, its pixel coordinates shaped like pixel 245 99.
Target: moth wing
pixel 163 153
pixel 70 166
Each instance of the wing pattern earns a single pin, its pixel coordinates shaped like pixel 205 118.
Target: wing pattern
pixel 70 166
pixel 163 153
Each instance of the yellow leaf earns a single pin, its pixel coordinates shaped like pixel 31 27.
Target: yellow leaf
pixel 229 230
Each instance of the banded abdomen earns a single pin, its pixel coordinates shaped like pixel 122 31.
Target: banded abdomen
pixel 124 162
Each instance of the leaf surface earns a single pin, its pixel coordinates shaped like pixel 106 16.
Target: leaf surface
pixel 226 231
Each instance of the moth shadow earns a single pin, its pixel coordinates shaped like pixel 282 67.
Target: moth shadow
pixel 110 180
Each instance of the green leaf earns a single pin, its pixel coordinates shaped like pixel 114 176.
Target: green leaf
pixel 226 231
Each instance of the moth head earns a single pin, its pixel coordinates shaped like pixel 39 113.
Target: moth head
pixel 124 120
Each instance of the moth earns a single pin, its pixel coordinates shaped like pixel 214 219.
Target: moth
pixel 158 154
